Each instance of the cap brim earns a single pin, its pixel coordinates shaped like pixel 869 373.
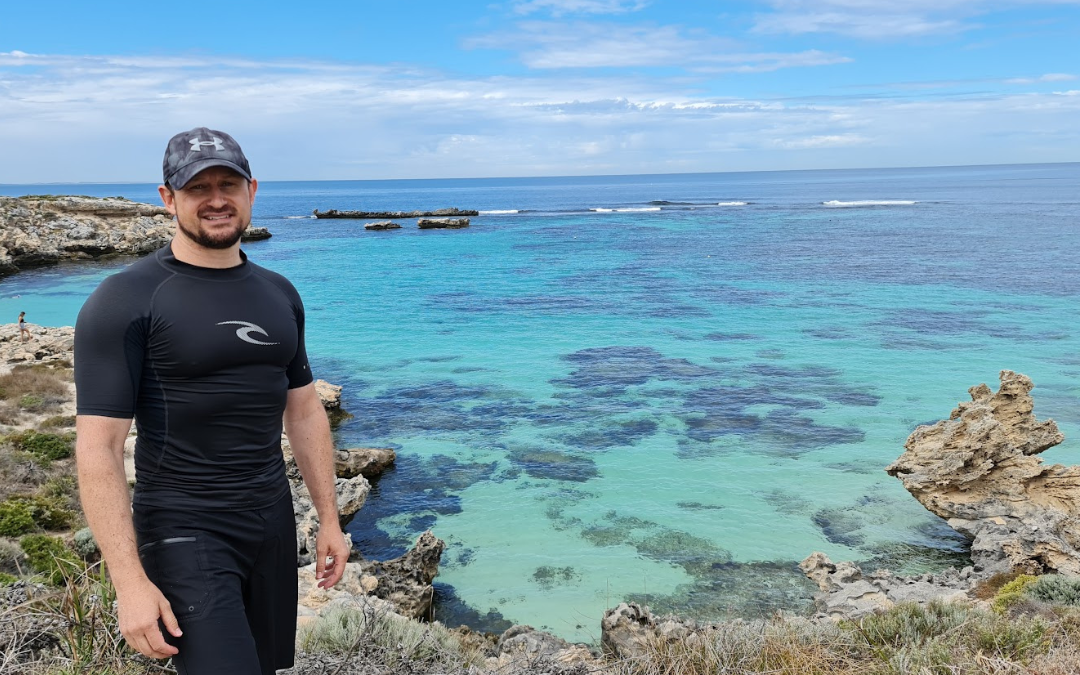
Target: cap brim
pixel 178 180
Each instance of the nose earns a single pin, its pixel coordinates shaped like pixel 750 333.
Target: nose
pixel 216 197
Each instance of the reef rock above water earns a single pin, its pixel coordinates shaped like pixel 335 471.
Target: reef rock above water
pixel 980 471
pixel 45 230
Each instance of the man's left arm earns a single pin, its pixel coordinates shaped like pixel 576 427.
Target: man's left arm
pixel 313 447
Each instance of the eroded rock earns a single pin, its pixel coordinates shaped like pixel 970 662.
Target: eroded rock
pixel 981 472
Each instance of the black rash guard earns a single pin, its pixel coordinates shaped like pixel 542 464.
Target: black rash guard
pixel 203 360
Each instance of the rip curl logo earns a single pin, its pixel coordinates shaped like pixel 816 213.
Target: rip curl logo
pixel 245 331
pixel 198 144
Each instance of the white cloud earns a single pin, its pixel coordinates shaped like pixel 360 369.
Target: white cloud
pixel 562 7
pixel 549 45
pixel 1049 77
pixel 107 119
pixel 882 19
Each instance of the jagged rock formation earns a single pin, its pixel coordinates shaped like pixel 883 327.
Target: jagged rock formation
pixel 980 471
pixel 329 394
pixel 44 230
pixel 334 213
pixel 627 631
pixel 442 223
pixel 848 594
pixel 382 225
pixel 406 581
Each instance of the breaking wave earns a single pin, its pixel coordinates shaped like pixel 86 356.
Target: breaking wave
pixel 870 202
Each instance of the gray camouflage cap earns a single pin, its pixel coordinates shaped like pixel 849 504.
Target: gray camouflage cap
pixel 190 152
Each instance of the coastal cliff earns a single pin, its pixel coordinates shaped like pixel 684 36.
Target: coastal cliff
pixel 44 230
pixel 37 231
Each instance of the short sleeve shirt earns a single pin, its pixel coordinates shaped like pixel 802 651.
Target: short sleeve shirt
pixel 203 359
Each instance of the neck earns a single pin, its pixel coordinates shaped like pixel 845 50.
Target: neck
pixel 187 251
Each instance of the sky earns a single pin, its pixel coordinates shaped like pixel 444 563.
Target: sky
pixel 92 91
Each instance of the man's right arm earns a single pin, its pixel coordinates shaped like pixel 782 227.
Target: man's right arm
pixel 103 489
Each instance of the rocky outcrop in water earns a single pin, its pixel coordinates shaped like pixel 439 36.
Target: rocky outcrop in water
pixel 361 215
pixel 442 223
pixel 366 462
pixel 44 230
pixel 981 472
pixel 382 225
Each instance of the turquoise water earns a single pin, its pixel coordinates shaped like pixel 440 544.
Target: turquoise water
pixel 669 402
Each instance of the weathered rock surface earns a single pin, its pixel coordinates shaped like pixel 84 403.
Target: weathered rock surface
pixel 627 630
pixel 366 462
pixel 846 593
pixel 980 471
pixel 329 394
pixel 351 494
pixel 406 581
pixel 44 230
pixel 335 213
pixel 382 225
pixel 48 344
pixel 525 644
pixel 442 223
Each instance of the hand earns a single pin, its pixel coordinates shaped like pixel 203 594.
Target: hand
pixel 331 554
pixel 140 608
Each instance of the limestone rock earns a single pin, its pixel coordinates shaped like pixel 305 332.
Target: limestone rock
pixel 525 645
pixel 406 581
pixel 980 471
pixel 368 462
pixel 45 230
pixel 442 223
pixel 382 225
pixel 846 593
pixel 255 234
pixel 329 394
pixel 627 630
pixel 351 493
pixel 48 344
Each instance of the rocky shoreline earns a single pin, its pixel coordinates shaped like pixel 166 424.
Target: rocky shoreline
pixel 45 230
pixel 979 469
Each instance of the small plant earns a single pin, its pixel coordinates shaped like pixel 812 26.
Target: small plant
pixel 49 556
pixel 44 446
pixel 31 402
pixel 58 422
pixel 16 518
pixel 1056 589
pixel 7 579
pixel 1011 593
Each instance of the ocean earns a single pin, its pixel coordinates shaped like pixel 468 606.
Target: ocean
pixel 668 388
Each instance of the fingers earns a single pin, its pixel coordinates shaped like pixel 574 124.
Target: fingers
pixel 334 563
pixel 169 620
pixel 150 642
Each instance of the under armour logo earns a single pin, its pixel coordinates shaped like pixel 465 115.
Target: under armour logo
pixel 245 330
pixel 197 144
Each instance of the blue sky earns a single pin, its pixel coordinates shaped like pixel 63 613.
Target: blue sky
pixel 425 89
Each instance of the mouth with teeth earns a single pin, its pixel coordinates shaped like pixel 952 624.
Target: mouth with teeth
pixel 216 217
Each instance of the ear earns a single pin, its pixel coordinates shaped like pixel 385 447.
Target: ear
pixel 253 186
pixel 168 199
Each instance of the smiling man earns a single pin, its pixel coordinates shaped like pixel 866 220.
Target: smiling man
pixel 205 351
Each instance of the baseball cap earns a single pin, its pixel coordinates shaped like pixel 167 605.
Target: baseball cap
pixel 189 152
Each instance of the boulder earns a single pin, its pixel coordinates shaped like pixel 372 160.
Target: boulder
pixel 255 234
pixel 366 462
pixel 981 472
pixel 329 394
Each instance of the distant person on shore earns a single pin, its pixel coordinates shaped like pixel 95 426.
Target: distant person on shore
pixel 205 350
pixel 24 332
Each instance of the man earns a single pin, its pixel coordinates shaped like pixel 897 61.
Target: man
pixel 205 350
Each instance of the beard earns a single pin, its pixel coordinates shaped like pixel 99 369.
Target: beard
pixel 220 239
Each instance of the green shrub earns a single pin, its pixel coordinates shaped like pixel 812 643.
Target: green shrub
pixel 1011 639
pixel 16 518
pixel 31 402
pixel 1011 593
pixel 49 556
pixel 6 579
pixel 1056 589
pixel 45 446
pixel 85 544
pixel 911 624
pixel 58 421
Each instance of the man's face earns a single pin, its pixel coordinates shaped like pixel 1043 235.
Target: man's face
pixel 214 208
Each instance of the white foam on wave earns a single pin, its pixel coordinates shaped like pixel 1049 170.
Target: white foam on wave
pixel 498 212
pixel 731 204
pixel 298 217
pixel 870 202
pixel 633 210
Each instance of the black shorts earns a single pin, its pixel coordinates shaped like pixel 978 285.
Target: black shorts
pixel 230 577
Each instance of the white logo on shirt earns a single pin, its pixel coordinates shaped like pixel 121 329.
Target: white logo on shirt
pixel 245 330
